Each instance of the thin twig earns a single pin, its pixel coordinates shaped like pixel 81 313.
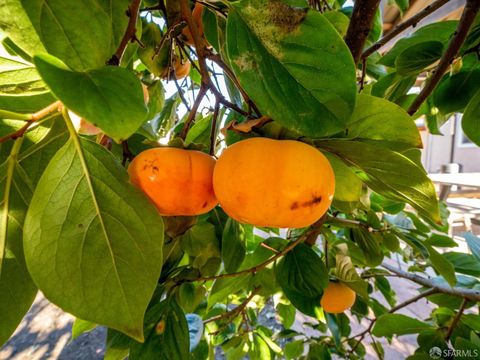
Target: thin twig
pixel 213 131
pixel 193 112
pixel 470 294
pixel 129 35
pixel 31 119
pixel 468 16
pixel 360 25
pixel 234 312
pixel 413 21
pixel 455 320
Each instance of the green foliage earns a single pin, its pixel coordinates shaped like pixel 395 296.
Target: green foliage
pixel 281 71
pixel 108 97
pixel 83 184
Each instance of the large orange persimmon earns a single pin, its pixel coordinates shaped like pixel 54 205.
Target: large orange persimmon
pixel 178 181
pixel 337 298
pixel 274 183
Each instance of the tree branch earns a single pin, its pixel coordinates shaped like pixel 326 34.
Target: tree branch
pixel 234 312
pixel 360 25
pixel 413 21
pixel 213 132
pixel 455 320
pixel 129 35
pixel 468 16
pixel 469 294
pixel 31 119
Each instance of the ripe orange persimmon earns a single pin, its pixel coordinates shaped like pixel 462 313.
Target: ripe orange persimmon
pixel 197 18
pixel 178 181
pixel 182 68
pixel 274 183
pixel 337 298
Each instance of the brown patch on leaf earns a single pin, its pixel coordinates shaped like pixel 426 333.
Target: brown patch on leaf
pixel 286 17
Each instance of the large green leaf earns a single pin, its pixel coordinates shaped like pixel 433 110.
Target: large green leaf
pixel 109 97
pixel 454 92
pixel 234 244
pixel 16 23
pixel 93 243
pixel 348 187
pixel 471 119
pixel 370 245
pixel 441 264
pixel 59 28
pixel 17 77
pixel 382 123
pixel 417 57
pixel 384 171
pixel 19 174
pixel 440 31
pixel 166 331
pixel 397 324
pixel 293 64
pixel 302 276
pixel 345 271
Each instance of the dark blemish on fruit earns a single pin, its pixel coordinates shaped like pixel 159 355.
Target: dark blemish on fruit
pixel 315 200
pixel 294 206
pixel 204 204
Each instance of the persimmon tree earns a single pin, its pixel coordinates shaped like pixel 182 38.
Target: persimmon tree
pixel 83 89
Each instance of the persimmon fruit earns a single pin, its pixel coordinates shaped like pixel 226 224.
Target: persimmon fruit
pixel 197 18
pixel 178 181
pixel 337 298
pixel 182 69
pixel 274 183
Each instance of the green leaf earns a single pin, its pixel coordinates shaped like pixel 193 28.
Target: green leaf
pixel 166 331
pixel 285 58
pixel 442 266
pixel 117 345
pixel 439 31
pixel 345 271
pixel 286 313
pixel 302 276
pixel 370 245
pixel 473 244
pixel 464 263
pixel 417 57
pixel 104 235
pixel 472 321
pixel 455 92
pixel 294 349
pixel 348 187
pixel 393 86
pixel 440 240
pixel 109 97
pixel 20 170
pixel 339 21
pixel 200 132
pixel 369 122
pixel 18 26
pixel 384 172
pixel 58 27
pixel 234 244
pixel 402 5
pixel 471 119
pixel 397 324
pixel 80 327
pixel 19 78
